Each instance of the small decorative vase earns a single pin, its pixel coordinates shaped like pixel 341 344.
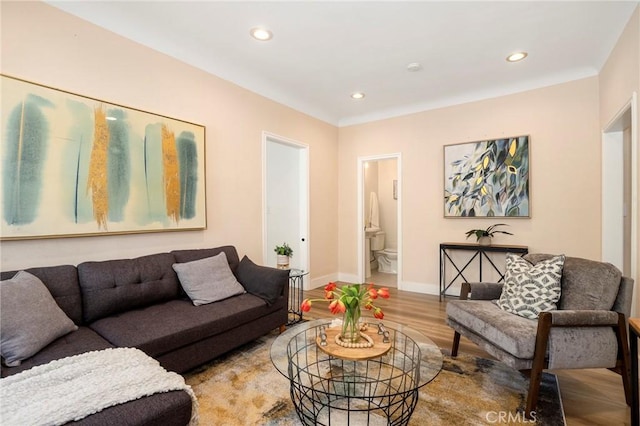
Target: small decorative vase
pixel 351 325
pixel 484 241
pixel 283 262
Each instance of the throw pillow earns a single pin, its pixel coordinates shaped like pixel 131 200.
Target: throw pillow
pixel 30 318
pixel 208 280
pixel 262 281
pixel 530 289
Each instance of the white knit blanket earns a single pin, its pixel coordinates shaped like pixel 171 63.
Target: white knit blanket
pixel 75 387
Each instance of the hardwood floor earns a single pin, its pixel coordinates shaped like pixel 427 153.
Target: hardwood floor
pixel 590 397
pixel 383 279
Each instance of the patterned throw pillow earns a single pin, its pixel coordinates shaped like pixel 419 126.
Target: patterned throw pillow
pixel 530 289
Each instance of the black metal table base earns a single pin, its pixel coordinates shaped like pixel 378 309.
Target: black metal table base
pixel 480 253
pixel 313 410
pixel 296 289
pixel 331 391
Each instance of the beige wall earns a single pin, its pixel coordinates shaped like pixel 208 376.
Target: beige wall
pixel 562 122
pixel 619 79
pixel 378 177
pixel 44 45
pixel 387 173
pixel 620 75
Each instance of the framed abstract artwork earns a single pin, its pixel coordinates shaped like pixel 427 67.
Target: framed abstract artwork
pixel 76 166
pixel 487 178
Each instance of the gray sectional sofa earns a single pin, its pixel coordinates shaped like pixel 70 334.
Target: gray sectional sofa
pixel 141 303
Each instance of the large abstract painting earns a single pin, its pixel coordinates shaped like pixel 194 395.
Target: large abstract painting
pixel 487 178
pixel 73 165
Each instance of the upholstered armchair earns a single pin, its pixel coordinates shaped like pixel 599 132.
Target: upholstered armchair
pixel 587 329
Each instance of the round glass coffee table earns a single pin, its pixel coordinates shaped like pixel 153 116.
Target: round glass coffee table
pixel 329 390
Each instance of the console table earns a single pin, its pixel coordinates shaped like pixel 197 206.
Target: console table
pixel 479 252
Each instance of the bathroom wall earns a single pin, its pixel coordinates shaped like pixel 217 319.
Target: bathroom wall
pixel 370 185
pixel 387 173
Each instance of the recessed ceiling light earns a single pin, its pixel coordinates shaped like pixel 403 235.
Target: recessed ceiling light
pixel 414 66
pixel 357 95
pixel 517 56
pixel 261 34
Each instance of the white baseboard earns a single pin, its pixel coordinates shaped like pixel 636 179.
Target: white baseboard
pixel 348 278
pixel 321 281
pixel 417 287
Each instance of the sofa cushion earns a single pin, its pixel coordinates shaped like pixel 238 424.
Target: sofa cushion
pixel 586 284
pixel 262 281
pixel 29 318
pixel 114 286
pixel 208 280
pixel 530 289
pixel 165 327
pixel 167 408
pixel 62 283
pixel 82 340
pixel 512 333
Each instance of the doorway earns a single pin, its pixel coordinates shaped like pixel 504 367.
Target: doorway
pixel 380 220
pixel 285 199
pixel 620 193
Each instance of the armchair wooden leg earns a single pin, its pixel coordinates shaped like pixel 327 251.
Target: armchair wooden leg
pixel 542 337
pixel 456 344
pixel 534 388
pixel 283 327
pixel 623 355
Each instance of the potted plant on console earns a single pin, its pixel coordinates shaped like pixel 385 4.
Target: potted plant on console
pixel 483 236
pixel 284 252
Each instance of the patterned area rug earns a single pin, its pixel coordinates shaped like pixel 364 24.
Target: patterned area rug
pixel 244 388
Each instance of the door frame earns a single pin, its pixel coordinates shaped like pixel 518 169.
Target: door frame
pixel 360 212
pixel 304 252
pixel 612 148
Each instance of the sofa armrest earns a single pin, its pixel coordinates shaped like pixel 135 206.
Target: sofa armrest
pixel 263 281
pixel 583 318
pixel 481 291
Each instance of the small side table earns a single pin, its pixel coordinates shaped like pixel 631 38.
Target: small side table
pixel 296 287
pixel 634 335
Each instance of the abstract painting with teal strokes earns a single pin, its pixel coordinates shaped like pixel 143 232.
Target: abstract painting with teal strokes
pixel 77 166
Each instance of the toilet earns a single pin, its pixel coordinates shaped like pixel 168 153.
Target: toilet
pixel 387 258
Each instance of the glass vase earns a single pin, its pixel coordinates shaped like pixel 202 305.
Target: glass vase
pixel 351 325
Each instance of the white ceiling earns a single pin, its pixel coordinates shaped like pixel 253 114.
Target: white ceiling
pixel 323 51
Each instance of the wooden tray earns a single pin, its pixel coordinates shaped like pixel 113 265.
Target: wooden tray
pixel 354 354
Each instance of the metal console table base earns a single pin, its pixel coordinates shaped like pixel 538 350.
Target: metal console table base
pixel 480 253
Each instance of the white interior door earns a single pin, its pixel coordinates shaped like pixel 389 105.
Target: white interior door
pixel 286 199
